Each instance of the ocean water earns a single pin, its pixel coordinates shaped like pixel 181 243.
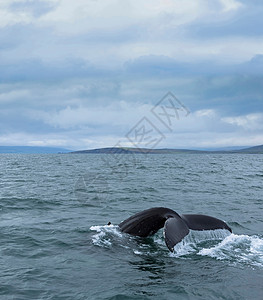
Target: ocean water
pixel 55 242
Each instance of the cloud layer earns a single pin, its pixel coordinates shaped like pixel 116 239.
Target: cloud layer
pixel 81 74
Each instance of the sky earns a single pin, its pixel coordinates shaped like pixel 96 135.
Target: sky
pixel 87 74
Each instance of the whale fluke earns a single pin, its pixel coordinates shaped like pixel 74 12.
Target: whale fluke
pixel 203 222
pixel 176 227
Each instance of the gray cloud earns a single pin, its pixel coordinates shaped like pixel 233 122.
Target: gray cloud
pixel 248 22
pixel 36 8
pixel 71 79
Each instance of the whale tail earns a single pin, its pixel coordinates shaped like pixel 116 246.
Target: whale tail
pixel 176 227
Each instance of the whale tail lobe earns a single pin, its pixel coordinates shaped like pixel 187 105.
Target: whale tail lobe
pixel 175 229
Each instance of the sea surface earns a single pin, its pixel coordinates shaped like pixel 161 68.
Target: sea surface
pixel 55 242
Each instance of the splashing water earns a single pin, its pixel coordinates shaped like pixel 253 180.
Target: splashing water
pixel 105 234
pixel 218 244
pixel 238 248
pixel 195 239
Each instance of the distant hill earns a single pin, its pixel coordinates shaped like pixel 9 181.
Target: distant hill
pixel 31 150
pixel 230 148
pixel 115 150
pixel 256 150
pixel 126 150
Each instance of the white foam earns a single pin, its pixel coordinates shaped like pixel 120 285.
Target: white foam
pixel 137 252
pixel 238 248
pixel 182 249
pixel 257 246
pixel 242 249
pixel 102 237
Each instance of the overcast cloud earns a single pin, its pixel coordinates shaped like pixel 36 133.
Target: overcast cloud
pixel 80 74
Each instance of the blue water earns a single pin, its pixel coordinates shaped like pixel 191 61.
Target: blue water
pixel 55 243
